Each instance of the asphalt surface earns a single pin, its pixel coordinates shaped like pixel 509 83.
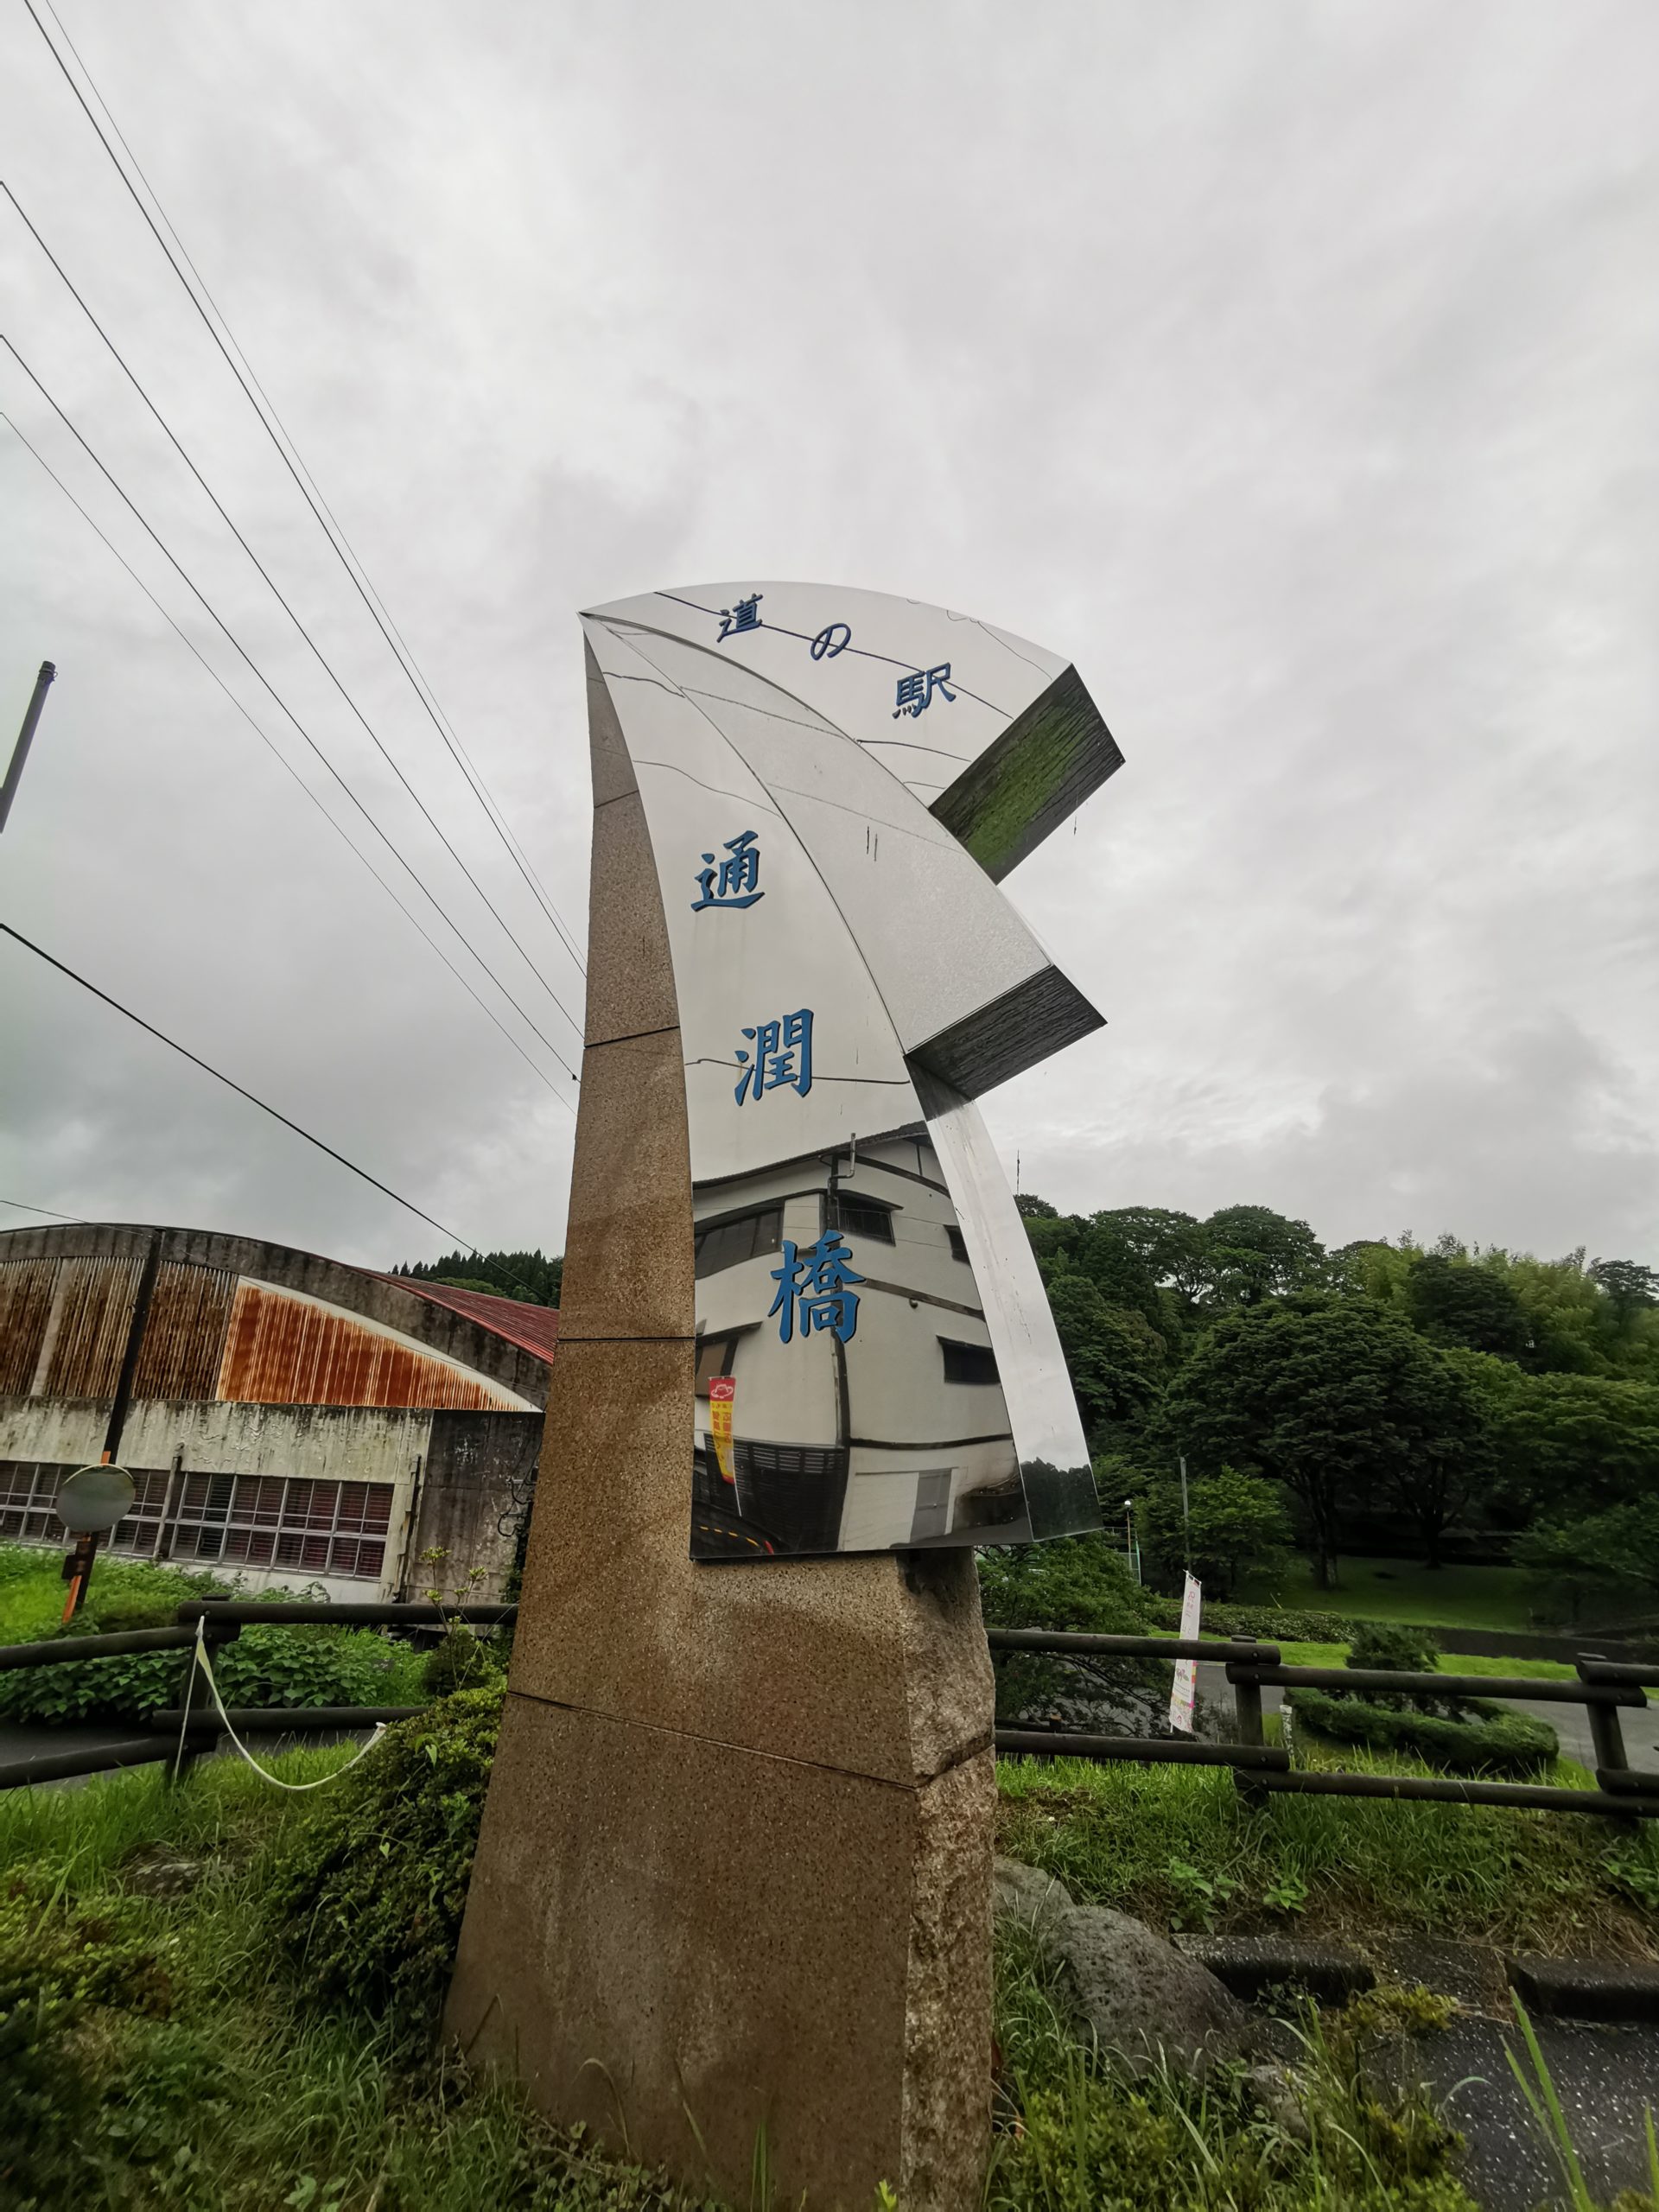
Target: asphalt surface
pixel 1606 2078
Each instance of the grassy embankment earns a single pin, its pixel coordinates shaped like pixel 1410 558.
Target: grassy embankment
pixel 156 2053
pixel 1395 1590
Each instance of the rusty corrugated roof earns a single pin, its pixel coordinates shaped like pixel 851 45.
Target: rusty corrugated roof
pixel 532 1328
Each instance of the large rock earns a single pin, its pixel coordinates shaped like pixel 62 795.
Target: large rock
pixel 1146 2004
pixel 1028 1895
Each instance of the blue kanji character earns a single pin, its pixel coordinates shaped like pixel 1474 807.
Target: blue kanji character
pixel 915 692
pixel 826 1302
pixel 735 620
pixel 735 881
pixel 782 1055
pixel 788 1280
pixel 817 1279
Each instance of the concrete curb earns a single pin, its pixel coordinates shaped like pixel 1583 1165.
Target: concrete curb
pixel 1584 1989
pixel 1249 1966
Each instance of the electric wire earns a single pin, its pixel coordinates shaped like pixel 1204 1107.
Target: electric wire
pixel 283 762
pixel 322 661
pixel 405 660
pixel 264 679
pixel 75 1220
pixel 29 944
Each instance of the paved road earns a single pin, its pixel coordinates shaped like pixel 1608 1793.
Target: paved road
pixel 1570 1722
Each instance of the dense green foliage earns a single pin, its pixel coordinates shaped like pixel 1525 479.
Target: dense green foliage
pixel 264 1666
pixel 1457 1735
pixel 1082 1584
pixel 1073 2137
pixel 365 1902
pixel 531 1276
pixel 1382 1389
pixel 1490 1739
pixel 156 2054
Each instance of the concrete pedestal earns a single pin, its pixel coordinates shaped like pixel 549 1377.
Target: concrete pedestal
pixel 734 1881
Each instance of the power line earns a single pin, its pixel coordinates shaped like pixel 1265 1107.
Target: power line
pixel 18 1205
pixel 342 547
pixel 259 673
pixel 385 1188
pixel 327 666
pixel 283 761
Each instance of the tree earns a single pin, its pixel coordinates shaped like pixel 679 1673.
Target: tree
pixel 1112 1358
pixel 1169 1245
pixel 1252 1254
pixel 531 1276
pixel 1568 1443
pixel 1338 1399
pixel 1116 1270
pixel 1035 1209
pixel 1234 1525
pixel 1452 1302
pixel 1604 1563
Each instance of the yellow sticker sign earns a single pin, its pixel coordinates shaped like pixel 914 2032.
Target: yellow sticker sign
pixel 721 1391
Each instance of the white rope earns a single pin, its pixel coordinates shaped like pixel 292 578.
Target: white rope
pixel 199 1659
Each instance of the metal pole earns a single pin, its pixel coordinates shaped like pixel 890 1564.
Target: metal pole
pixel 1186 1520
pixel 25 739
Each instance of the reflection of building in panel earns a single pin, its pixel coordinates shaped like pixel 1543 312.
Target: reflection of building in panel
pixel 291 1420
pixel 891 1432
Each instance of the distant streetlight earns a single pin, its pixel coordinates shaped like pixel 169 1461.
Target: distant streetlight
pixel 1129 1544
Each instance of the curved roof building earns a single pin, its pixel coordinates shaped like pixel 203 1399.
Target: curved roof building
pixel 284 1416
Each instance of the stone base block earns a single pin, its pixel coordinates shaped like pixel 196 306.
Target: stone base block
pixel 679 1944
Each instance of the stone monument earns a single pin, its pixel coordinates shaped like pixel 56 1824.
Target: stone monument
pixel 732 1891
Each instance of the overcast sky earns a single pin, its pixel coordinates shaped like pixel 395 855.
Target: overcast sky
pixel 1294 369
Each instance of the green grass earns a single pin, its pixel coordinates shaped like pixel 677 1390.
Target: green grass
pixel 1395 1590
pixel 1179 1847
pixel 193 2079
pixel 1336 1655
pixel 1072 2137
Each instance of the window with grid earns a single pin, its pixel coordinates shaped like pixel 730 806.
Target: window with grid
pixel 860 1217
pixel 969 1363
pixel 27 1491
pixel 727 1243
pixel 284 1521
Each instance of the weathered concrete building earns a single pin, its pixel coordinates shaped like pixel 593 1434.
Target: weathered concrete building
pixel 284 1417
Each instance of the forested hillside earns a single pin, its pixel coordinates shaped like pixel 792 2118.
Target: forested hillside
pixel 1384 1386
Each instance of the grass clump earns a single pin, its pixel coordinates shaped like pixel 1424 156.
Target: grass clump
pixel 157 2054
pixel 365 1900
pixel 1178 1846
pixel 1072 2137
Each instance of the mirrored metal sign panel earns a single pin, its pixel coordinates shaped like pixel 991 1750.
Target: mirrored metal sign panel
pixel 831 781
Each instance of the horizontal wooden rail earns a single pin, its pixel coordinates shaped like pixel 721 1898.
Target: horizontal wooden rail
pixel 63 1650
pixel 246 1611
pixel 1068 1643
pixel 1461 1686
pixel 268 1719
pixel 62 1766
pixel 1156 1751
pixel 1450 1790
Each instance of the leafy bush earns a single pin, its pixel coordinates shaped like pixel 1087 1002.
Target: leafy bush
pixel 461 1662
pixel 1081 1584
pixel 265 1666
pixel 1274 1624
pixel 1398 1646
pixel 365 1903
pixel 1495 1741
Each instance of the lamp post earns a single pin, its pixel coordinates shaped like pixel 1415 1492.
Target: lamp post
pixel 1133 1548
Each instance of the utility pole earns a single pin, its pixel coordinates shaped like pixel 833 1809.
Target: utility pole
pixel 25 739
pixel 1186 1520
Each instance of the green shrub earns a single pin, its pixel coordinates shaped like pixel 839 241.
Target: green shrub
pixel 1082 1584
pixel 1396 1647
pixel 265 1666
pixel 462 1661
pixel 1273 1623
pixel 1496 1741
pixel 365 1902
